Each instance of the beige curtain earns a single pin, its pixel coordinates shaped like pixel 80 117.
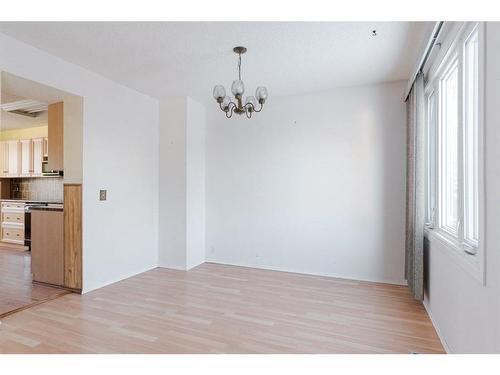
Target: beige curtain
pixel 415 188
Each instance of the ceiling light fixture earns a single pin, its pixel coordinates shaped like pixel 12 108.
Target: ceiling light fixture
pixel 229 106
pixel 25 107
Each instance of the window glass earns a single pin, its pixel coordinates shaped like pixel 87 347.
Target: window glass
pixel 449 149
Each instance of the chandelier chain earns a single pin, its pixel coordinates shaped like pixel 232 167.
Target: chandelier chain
pixel 239 66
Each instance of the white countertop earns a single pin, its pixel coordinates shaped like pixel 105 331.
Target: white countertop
pixel 30 200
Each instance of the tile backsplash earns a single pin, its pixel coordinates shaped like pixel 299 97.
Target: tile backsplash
pixel 37 189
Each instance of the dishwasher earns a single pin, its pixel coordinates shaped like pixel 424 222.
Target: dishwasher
pixel 27 221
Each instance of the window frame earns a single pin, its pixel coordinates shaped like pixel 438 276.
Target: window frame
pixel 472 242
pixel 431 147
pixel 468 253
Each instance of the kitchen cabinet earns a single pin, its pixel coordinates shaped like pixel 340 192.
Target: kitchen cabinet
pixel 47 246
pixel 56 136
pixel 13 158
pixel 4 159
pixel 22 158
pixel 37 151
pixel 26 157
pixel 12 218
pixel 46 147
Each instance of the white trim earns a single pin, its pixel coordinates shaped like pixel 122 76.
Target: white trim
pixel 180 268
pixel 171 267
pixel 453 249
pixel 446 347
pixel 86 289
pixel 191 266
pixel 481 249
pixel 290 270
pixel 448 46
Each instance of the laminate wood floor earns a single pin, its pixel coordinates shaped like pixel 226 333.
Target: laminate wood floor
pixel 225 309
pixel 16 288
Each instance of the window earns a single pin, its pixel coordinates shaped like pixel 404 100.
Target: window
pixel 448 149
pixel 453 147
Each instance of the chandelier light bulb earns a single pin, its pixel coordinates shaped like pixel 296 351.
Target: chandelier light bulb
pixel 261 94
pixel 250 103
pixel 238 87
pixel 219 93
pixel 225 103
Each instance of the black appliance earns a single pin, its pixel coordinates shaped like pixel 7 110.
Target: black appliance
pixel 27 221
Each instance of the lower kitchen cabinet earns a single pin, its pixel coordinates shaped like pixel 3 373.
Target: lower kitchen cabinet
pixel 12 222
pixel 47 246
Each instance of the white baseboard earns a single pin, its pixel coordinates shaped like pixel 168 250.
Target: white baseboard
pixel 190 267
pixel 180 268
pixel 171 267
pixel 102 284
pixel 281 269
pixel 436 327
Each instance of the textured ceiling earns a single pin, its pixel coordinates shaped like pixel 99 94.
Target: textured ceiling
pixel 168 58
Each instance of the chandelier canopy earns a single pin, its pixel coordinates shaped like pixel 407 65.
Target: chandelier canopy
pixel 230 105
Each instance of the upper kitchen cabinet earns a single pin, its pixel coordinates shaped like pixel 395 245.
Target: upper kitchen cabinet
pixel 26 157
pixel 10 158
pixel 13 158
pixel 37 147
pixel 4 159
pixel 56 137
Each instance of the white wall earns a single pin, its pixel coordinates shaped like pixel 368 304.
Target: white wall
pixel 467 313
pixel 195 183
pixel 312 184
pixel 182 183
pixel 120 153
pixel 172 179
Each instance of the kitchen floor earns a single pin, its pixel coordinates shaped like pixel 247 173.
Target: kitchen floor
pixel 16 288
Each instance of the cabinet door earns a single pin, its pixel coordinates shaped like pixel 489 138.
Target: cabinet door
pixel 4 159
pixel 56 136
pixel 47 253
pixel 14 156
pixel 37 147
pixel 45 147
pixel 26 158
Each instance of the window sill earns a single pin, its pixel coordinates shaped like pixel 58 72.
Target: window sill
pixel 472 264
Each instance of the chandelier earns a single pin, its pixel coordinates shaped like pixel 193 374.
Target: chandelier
pixel 230 105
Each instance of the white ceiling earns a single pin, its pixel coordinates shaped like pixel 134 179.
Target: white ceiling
pixel 168 58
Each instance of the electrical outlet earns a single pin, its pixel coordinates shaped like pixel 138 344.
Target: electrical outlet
pixel 102 195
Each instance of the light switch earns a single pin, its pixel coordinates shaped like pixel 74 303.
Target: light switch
pixel 102 195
